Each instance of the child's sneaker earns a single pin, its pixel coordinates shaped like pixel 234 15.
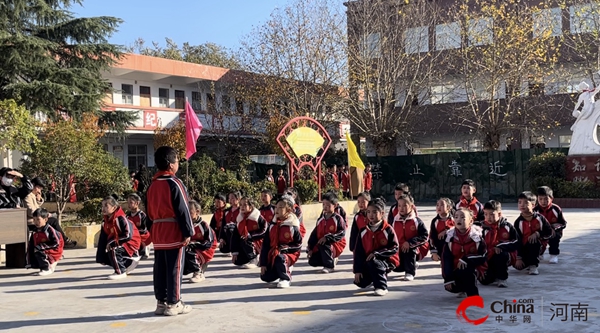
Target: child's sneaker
pixel 502 284
pixel 44 273
pixel 461 295
pixel 115 276
pixel 408 277
pixel 160 308
pixel 177 309
pixel 250 265
pixel 326 270
pixel 533 270
pixel 135 261
pixel 335 261
pixel 198 277
pixel 553 259
pixel 283 284
pixel 53 266
pixel 380 292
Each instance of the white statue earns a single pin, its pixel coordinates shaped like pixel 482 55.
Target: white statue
pixel 585 129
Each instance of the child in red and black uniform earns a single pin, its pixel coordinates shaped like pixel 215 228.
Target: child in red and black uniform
pixel 172 230
pixel 267 210
pixel 439 226
pixel 281 245
pixel 45 245
pixel 502 242
pixel 140 220
pixel 532 229
pixel 464 251
pixel 216 222
pixel 338 209
pixel 297 209
pixel 400 190
pixel 229 222
pixel 280 182
pixel 376 252
pixel 368 178
pixel 360 219
pixel 201 249
pixel 344 177
pixel 247 238
pixel 553 213
pixel 121 240
pixel 411 233
pixel 327 240
pixel 468 200
pixel 331 177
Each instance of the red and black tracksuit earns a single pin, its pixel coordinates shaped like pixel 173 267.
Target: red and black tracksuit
pixel 474 206
pixel 201 249
pixel 333 229
pixel 45 248
pixel 247 238
pixel 368 181
pixel 394 211
pixel 529 252
pixel 409 229
pixel 143 225
pixel 122 241
pixel 267 212
pixel 503 236
pixel 360 221
pixel 438 226
pixel 468 248
pixel 280 249
pixel 216 222
pixel 345 181
pixel 167 207
pixel 381 241
pixel 226 232
pixel 553 213
pixel 298 213
pixel 341 212
pixel 281 184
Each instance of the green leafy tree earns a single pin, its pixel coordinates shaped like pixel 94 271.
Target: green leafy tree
pixel 70 150
pixel 17 126
pixel 51 61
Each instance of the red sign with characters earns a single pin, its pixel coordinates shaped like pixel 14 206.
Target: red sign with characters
pixel 150 119
pixel 582 168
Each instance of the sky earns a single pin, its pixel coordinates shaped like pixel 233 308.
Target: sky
pixel 222 22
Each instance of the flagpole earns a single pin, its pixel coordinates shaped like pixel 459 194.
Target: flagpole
pixel 187 163
pixel 348 164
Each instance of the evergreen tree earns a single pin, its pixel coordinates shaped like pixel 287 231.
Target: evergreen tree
pixel 52 62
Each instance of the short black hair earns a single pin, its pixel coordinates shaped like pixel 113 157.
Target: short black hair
pixel 220 196
pixel 236 194
pixel 493 205
pixel 402 187
pixel 378 203
pixel 527 195
pixel 40 212
pixel 545 190
pixel 469 182
pixel 367 165
pixel 331 198
pixel 164 156
pixel 408 198
pixel 267 191
pixel 365 195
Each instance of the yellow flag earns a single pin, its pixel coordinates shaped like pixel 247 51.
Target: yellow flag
pixel 353 158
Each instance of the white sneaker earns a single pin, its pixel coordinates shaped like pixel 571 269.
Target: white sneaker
pixel 408 277
pixel 461 295
pixel 335 261
pixel 252 264
pixel 416 265
pixel 274 282
pixel 326 270
pixel 45 273
pixel 197 278
pixel 541 258
pixel 283 284
pixel 502 284
pixel 553 259
pixel 380 292
pixel 534 270
pixel 115 276
pixel 291 268
pixel 133 265
pixel 53 266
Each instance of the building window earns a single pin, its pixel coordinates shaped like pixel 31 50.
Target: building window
pixel 416 40
pixel 163 97
pixel 564 141
pixel 127 93
pixel 210 102
pixel 179 99
pixel 480 31
pixel 225 103
pixel 447 36
pixel 547 21
pixel 442 94
pixel 584 18
pixel 372 47
pixel 136 155
pixel 196 100
pixel 145 96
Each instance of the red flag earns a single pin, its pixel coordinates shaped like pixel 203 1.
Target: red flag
pixel 193 127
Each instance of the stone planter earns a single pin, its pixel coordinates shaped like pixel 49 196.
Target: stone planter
pixel 86 236
pixel 577 203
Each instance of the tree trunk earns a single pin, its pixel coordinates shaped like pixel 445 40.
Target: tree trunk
pixel 385 146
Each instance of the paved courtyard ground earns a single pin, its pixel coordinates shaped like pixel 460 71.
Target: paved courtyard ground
pixel 78 298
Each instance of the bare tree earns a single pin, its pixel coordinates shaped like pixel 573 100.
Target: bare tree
pixel 582 43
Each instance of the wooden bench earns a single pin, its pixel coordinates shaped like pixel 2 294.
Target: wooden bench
pixel 14 235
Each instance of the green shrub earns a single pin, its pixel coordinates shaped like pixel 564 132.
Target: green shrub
pixel 307 190
pixel 548 168
pixel 567 189
pixel 265 185
pixel 91 211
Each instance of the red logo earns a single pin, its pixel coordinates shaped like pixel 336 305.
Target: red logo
pixel 461 310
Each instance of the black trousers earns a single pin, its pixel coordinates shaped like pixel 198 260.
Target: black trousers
pixel 279 270
pixel 322 258
pixel 408 262
pixel 465 281
pixel 497 268
pixel 168 272
pixel 119 259
pixel 246 252
pixel 192 264
pixel 530 254
pixel 375 272
pixel 554 241
pixel 41 261
pixel 227 234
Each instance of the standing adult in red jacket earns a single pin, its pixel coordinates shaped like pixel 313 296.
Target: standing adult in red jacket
pixel 172 230
pixel 368 179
